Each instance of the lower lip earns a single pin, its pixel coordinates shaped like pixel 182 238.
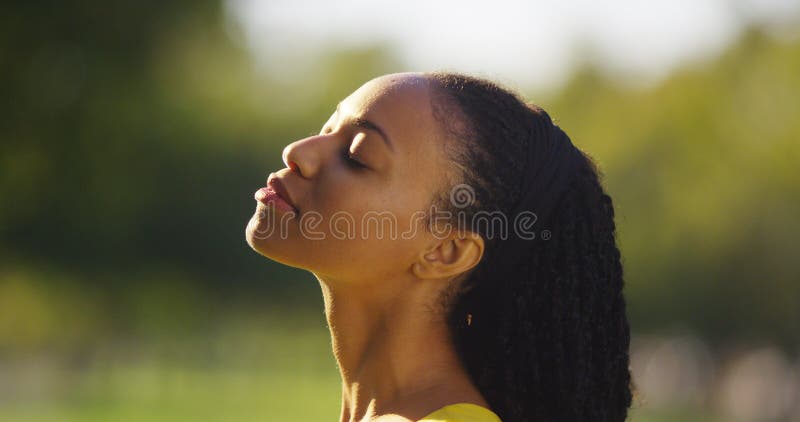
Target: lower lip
pixel 267 196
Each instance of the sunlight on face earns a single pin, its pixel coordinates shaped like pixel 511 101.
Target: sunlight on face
pixel 362 187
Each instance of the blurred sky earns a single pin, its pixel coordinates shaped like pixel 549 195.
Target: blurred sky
pixel 523 43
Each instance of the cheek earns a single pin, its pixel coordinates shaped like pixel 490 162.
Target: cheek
pixel 352 227
pixel 356 227
pixel 364 244
pixel 339 191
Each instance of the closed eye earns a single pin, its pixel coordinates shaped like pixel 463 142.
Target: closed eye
pixel 348 158
pixel 352 162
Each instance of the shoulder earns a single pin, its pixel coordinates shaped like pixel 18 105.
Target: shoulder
pixel 462 412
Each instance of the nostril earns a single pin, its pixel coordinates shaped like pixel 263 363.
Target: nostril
pixel 290 155
pixel 294 167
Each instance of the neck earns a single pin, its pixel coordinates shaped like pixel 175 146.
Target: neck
pixel 393 351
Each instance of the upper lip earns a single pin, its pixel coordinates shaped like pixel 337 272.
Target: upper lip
pixel 277 185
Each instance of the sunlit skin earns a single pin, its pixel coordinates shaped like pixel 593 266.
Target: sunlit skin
pixel 380 294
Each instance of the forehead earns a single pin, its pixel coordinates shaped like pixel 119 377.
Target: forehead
pixel 397 98
pixel 401 105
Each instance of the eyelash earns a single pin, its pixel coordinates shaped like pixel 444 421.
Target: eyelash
pixel 350 161
pixel 347 158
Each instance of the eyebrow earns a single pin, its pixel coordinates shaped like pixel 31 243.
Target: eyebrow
pixel 366 124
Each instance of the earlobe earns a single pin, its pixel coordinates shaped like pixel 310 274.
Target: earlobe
pixel 450 257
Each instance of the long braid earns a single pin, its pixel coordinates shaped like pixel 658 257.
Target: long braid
pixel 549 341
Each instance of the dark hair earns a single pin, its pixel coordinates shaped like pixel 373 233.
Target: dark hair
pixel 546 339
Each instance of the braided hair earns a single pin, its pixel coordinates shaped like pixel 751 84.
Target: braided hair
pixel 540 326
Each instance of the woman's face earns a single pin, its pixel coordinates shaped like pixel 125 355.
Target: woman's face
pixel 359 222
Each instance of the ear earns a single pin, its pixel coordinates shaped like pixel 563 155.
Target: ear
pixel 449 257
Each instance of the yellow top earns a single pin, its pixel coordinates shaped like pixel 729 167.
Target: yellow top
pixel 462 412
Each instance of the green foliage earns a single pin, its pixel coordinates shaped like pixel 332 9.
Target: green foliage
pixel 702 169
pixel 134 134
pixel 134 137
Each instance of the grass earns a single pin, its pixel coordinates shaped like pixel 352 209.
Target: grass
pixel 254 366
pixel 173 394
pixel 276 366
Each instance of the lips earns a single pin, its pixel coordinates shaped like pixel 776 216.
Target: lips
pixel 275 192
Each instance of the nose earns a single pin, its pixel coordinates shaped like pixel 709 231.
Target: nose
pixel 306 156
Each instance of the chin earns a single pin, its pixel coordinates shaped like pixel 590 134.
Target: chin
pixel 269 241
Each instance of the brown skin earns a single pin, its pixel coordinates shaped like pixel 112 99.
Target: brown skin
pixel 381 294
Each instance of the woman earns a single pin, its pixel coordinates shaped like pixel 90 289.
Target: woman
pixel 466 254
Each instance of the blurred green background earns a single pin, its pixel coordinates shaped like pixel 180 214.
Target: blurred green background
pixel 132 138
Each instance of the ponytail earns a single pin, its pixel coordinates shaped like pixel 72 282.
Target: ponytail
pixel 539 324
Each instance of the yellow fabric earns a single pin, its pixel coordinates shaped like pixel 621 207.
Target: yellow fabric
pixel 462 412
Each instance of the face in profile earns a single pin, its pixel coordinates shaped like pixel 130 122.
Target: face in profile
pixel 353 202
